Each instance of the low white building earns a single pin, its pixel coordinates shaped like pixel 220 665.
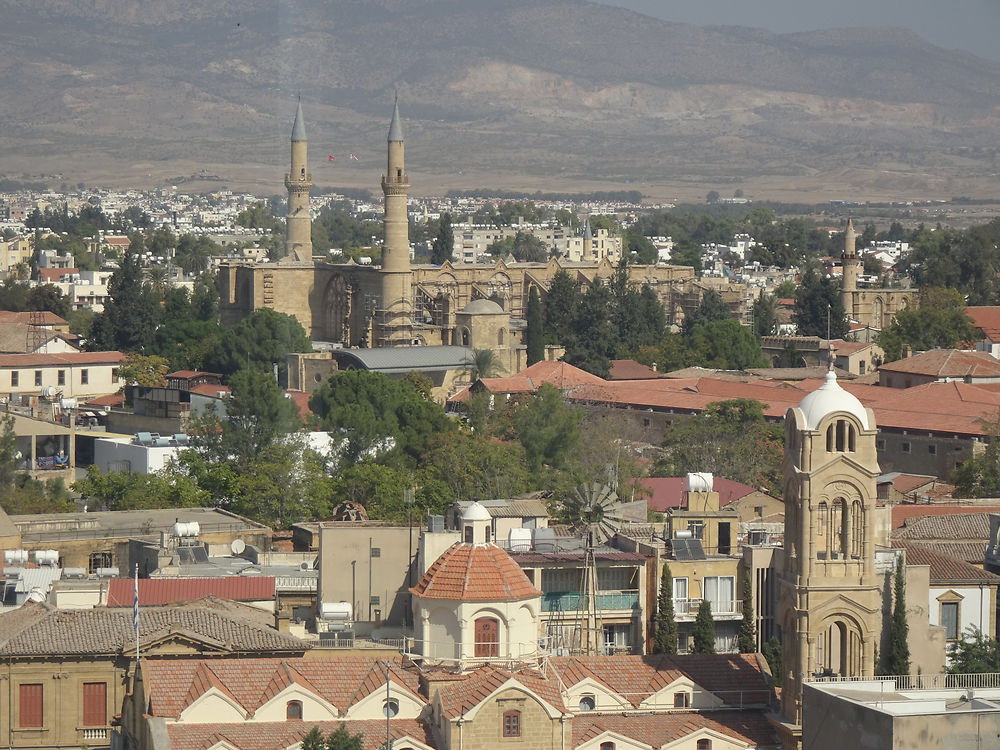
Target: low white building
pixel 76 375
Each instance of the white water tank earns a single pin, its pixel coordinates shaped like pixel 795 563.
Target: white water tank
pixel 186 529
pixel 335 611
pixel 519 540
pixel 46 557
pixel 15 556
pixel 700 481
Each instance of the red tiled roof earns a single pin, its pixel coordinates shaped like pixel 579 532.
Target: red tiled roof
pixel 475 573
pixel 173 684
pixel 947 363
pixel 276 735
pixel 159 591
pixel 55 274
pixel 629 369
pixel 301 399
pixel 469 690
pixel 749 728
pixel 671 492
pixel 113 399
pixel 48 318
pixel 908 515
pixel 562 375
pixel 945 568
pixel 210 389
pixel 188 374
pixel 65 358
pixel 987 319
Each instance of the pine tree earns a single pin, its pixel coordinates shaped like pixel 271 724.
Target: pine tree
pixel 773 655
pixel 665 638
pixel 313 740
pixel 444 243
pixel 341 739
pixel 703 631
pixel 534 336
pixel 897 658
pixel 747 638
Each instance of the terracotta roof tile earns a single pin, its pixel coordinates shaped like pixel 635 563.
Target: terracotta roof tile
pixel 157 591
pixel 946 527
pixel 284 734
pixel 65 358
pixel 947 363
pixel 659 730
pixel 468 690
pixel 987 319
pixel 945 568
pixel 907 515
pixel 475 572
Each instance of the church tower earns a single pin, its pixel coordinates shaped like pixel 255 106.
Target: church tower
pixel 393 318
pixel 298 181
pixel 830 602
pixel 851 268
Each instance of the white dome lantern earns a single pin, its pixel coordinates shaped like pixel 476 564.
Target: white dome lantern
pixel 830 398
pixel 477 524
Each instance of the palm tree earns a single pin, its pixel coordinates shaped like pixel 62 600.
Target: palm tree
pixel 158 278
pixel 482 363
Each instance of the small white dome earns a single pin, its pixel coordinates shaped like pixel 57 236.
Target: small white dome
pixel 476 512
pixel 828 398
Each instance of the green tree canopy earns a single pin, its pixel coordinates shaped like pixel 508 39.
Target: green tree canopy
pixel 939 322
pixel 974 653
pixel 378 416
pixel 703 630
pixel 131 312
pixel 444 243
pixel 548 428
pixel 819 307
pixel 747 636
pixel 260 340
pixel 535 332
pixel 665 638
pixel 897 656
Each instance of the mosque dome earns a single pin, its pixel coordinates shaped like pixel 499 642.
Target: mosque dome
pixel 482 307
pixel 829 398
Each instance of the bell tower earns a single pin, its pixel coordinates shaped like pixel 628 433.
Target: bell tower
pixel 393 318
pixel 298 182
pixel 830 601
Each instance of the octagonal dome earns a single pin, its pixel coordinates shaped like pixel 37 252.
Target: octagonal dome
pixel 482 307
pixel 829 398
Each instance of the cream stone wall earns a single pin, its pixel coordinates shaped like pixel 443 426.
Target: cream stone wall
pixel 541 728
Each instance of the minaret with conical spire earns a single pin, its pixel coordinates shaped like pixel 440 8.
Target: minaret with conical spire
pixel 588 240
pixel 851 267
pixel 392 329
pixel 298 181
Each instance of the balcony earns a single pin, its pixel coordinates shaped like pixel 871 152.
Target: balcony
pixel 573 601
pixel 686 610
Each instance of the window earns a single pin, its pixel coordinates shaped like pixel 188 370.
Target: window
pixel 682 700
pixel 681 596
pixel 98 560
pixel 720 592
pixel 697 529
pixel 293 710
pixel 38 377
pixel 114 374
pixel 14 379
pixel 376 552
pixel 61 377
pixel 468 535
pixel 880 444
pixel 587 703
pixel 862 366
pixel 84 377
pixel 390 708
pixel 512 724
pixel 932 450
pixel 607 746
pixel 30 713
pixel 95 704
pixel 905 447
pixel 949 619
pixel 704 744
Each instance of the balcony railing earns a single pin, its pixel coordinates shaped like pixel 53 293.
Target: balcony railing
pixel 573 601
pixel 690 607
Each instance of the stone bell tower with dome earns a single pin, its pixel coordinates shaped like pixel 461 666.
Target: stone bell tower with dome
pixel 830 600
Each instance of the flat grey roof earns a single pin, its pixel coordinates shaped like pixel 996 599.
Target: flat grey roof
pixel 126 523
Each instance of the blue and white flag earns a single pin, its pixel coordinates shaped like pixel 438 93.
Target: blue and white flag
pixel 135 603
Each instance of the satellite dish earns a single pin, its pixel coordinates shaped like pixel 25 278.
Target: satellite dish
pixel 237 546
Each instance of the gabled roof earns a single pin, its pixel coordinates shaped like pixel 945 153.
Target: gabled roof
pixel 669 492
pixel 946 527
pixel 947 569
pixel 45 317
pixel 462 693
pixel 660 730
pixel 39 629
pixel 629 369
pixel 158 591
pixel 947 363
pixel 987 319
pixel 172 685
pixel 562 375
pixel 476 573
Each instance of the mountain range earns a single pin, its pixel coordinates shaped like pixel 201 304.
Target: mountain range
pixel 520 94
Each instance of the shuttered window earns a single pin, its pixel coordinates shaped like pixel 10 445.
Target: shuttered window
pixel 95 704
pixel 29 705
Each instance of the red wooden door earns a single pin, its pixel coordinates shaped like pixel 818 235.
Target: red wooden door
pixel 487 631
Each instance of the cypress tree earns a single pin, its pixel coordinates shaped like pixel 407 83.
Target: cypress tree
pixel 444 243
pixel 665 638
pixel 534 336
pixel 898 653
pixel 703 631
pixel 747 638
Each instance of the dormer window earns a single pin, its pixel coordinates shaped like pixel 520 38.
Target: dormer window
pixel 390 708
pixel 293 710
pixel 587 703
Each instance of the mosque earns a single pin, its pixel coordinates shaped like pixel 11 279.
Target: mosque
pixel 399 304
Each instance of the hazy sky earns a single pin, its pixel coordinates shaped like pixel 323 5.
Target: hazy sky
pixel 972 25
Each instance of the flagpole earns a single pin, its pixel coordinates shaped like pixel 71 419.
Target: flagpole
pixel 135 617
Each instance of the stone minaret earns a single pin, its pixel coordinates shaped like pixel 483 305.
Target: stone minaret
pixel 393 321
pixel 851 266
pixel 588 241
pixel 298 224
pixel 830 602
